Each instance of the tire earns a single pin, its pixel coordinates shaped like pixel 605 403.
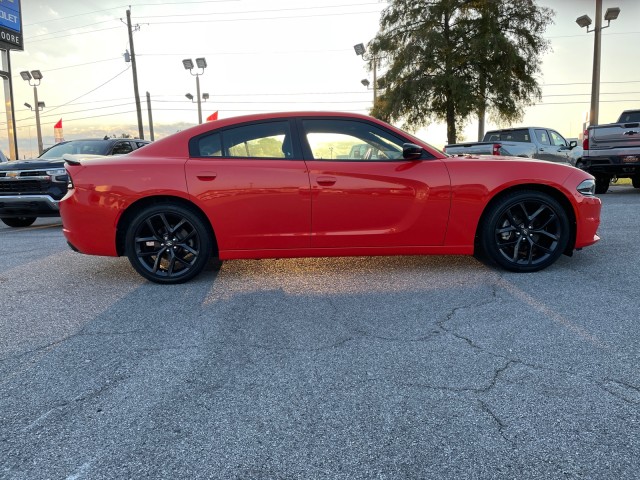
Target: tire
pixel 168 243
pixel 525 231
pixel 17 222
pixel 602 183
pixel 635 181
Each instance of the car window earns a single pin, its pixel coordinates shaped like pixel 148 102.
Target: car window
pixel 263 140
pixel 122 148
pixel 91 147
pixel 350 140
pixel 516 136
pixel 557 139
pixel 141 144
pixel 630 117
pixel 543 137
pixel 209 146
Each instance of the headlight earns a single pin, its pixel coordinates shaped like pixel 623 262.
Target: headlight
pixel 57 171
pixel 587 187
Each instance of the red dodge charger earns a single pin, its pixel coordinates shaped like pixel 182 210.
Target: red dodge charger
pixel 320 184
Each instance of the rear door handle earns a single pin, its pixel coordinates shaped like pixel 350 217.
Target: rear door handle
pixel 325 180
pixel 206 176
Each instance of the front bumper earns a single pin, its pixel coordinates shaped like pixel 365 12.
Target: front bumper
pixel 28 206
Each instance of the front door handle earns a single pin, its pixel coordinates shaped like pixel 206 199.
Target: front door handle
pixel 326 181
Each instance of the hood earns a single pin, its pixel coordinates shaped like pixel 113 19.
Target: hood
pixel 32 164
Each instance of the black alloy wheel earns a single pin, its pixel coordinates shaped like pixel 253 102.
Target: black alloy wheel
pixel 525 231
pixel 168 243
pixel 602 183
pixel 17 222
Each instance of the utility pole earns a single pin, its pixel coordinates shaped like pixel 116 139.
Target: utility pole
pixel 135 76
pixel 150 117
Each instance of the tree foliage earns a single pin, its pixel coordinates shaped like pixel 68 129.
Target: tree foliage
pixel 445 60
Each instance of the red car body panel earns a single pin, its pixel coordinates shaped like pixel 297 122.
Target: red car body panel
pixel 303 207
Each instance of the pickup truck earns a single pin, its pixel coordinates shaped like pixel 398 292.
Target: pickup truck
pixel 530 142
pixel 613 150
pixel 32 188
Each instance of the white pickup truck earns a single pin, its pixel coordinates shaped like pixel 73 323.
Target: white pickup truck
pixel 530 142
pixel 613 150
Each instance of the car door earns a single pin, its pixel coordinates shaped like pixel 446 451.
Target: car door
pixel 365 194
pixel 563 151
pixel 122 148
pixel 254 186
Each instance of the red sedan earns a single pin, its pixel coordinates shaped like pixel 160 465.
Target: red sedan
pixel 320 184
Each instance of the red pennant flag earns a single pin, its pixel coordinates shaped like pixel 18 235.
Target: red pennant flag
pixel 212 117
pixel 57 132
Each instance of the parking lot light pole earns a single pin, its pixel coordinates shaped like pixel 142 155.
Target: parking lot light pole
pixel 361 51
pixel 201 63
pixel 584 21
pixel 36 76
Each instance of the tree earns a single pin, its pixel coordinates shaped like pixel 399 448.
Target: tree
pixel 447 59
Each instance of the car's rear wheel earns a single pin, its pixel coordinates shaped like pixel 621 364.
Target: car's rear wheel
pixel 525 231
pixel 602 183
pixel 168 243
pixel 18 221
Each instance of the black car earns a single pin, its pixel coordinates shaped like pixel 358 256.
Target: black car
pixel 32 188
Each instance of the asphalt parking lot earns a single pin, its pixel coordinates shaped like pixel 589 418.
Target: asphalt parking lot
pixel 354 368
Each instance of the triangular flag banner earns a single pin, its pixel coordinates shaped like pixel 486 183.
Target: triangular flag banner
pixel 212 117
pixel 57 132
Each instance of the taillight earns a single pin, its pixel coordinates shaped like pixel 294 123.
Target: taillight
pixel 496 149
pixel 585 140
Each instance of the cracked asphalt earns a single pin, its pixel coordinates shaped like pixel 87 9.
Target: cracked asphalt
pixel 346 368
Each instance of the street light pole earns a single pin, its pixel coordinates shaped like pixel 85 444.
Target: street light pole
pixel 585 21
pixel 36 76
pixel 201 63
pixel 37 108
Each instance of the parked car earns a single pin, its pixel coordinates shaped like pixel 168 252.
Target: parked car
pixel 265 186
pixel 531 142
pixel 32 188
pixel 613 150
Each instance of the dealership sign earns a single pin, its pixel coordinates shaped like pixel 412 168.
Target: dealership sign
pixel 10 25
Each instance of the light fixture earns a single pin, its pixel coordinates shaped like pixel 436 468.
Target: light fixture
pixel 365 82
pixel 37 74
pixel 583 21
pixel 41 105
pixel 25 75
pixel 28 105
pixel 189 96
pixel 201 62
pixel 359 48
pixel 205 96
pixel 188 63
pixel 611 13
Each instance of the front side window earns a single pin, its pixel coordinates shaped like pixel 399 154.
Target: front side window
pixel 350 140
pixel 122 148
pixel 557 139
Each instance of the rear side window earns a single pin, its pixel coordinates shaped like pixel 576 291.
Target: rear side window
pixel 516 136
pixel 543 137
pixel 263 140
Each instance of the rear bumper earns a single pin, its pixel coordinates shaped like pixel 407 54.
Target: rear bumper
pixel 615 165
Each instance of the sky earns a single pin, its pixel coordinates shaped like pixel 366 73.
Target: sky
pixel 262 56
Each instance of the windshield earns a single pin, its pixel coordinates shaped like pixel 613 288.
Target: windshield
pixel 87 147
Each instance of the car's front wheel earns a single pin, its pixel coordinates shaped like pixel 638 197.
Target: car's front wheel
pixel 168 243
pixel 602 183
pixel 18 221
pixel 525 231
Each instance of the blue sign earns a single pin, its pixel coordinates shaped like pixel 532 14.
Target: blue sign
pixel 10 25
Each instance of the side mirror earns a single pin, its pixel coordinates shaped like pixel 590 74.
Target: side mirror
pixel 573 144
pixel 411 151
